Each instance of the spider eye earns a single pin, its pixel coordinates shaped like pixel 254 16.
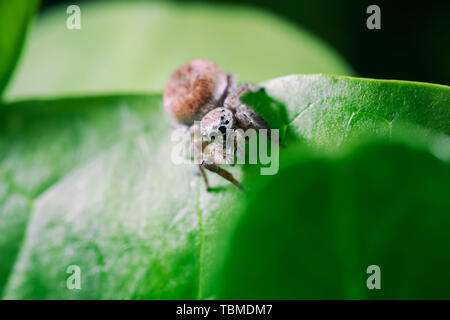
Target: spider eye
pixel 222 129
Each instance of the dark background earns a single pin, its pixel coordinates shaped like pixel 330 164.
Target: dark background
pixel 413 43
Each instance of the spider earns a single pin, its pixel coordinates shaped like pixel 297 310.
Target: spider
pixel 201 91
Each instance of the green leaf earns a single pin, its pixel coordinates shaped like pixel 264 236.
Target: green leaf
pixel 136 47
pixel 96 187
pixel 312 231
pixel 14 19
pixel 326 111
pixel 106 197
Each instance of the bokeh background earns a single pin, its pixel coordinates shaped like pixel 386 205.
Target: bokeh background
pixel 413 43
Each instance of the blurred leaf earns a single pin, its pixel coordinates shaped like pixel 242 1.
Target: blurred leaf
pixel 136 46
pixel 312 231
pixel 104 194
pixel 14 18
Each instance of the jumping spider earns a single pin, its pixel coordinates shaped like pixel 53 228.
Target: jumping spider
pixel 201 91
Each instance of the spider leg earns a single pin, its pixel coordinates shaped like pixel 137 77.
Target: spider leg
pixel 245 116
pixel 247 87
pixel 223 173
pixel 205 179
pixel 249 119
pixel 232 101
pixel 232 83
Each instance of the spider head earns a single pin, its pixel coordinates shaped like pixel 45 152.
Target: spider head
pixel 216 123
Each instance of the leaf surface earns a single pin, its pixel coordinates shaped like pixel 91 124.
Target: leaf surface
pixel 14 19
pixel 95 185
pixel 313 230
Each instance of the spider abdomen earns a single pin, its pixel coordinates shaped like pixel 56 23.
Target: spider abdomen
pixel 193 90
